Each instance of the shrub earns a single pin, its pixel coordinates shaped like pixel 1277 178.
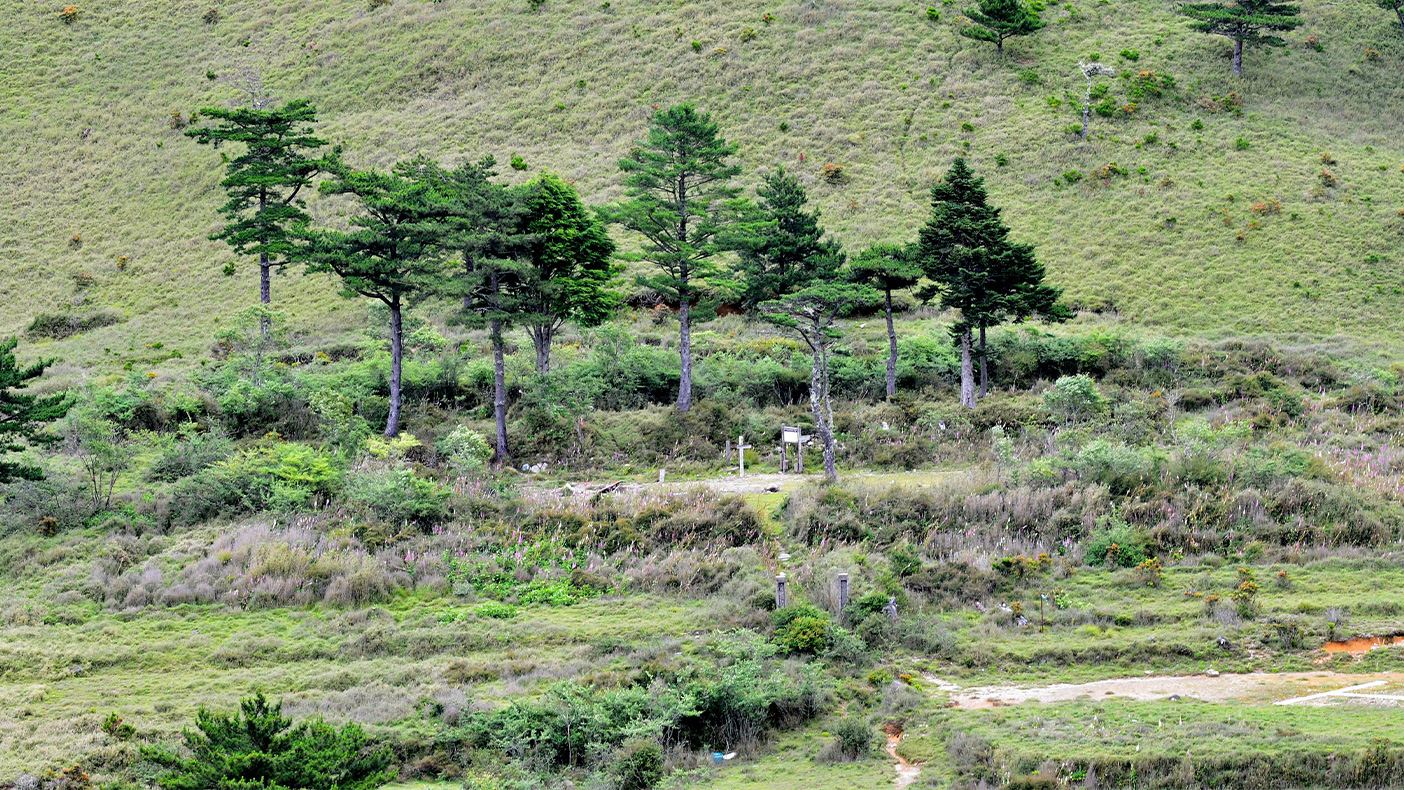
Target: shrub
pixel 932 14
pixel 853 740
pixel 258 746
pixel 802 628
pixel 496 610
pixel 1117 544
pixel 1327 180
pixel 833 173
pixel 1074 397
pixel 517 162
pixel 211 16
pixel 114 726
pixel 69 14
pixel 466 450
pixel 393 494
pixel 65 325
pixel 638 765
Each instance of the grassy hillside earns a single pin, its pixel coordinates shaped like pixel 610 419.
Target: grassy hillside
pixel 873 85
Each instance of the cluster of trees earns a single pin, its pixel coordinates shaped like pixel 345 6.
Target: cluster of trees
pixel 1245 22
pixel 535 257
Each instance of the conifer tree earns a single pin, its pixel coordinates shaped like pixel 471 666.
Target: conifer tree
pixel 966 252
pixel 677 181
pixel 392 254
pixel 570 259
pixel 259 747
pixel 483 225
pixel 1243 21
pixel 264 182
pixel 997 20
pixel 786 246
pixel 888 268
pixel 23 415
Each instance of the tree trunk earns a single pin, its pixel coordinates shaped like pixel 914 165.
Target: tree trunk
pixel 685 354
pixel 999 46
pixel 397 351
pixel 967 372
pixel 1238 57
pixel 1087 109
pixel 891 351
pixel 830 470
pixel 984 366
pixel 499 392
pixel 541 338
pixel 816 408
pixel 265 285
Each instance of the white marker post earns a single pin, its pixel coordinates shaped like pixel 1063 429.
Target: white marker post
pixel 741 448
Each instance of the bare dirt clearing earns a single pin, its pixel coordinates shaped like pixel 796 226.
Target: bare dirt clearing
pixel 1287 688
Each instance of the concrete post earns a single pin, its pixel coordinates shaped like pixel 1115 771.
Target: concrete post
pixel 781 599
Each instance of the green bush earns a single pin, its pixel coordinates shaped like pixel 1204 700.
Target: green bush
pixel 259 747
pixel 1073 398
pixel 1118 544
pixel 638 765
pixel 394 495
pixel 853 739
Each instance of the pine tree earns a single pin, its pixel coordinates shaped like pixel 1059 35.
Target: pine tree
pixel 259 747
pixel 888 268
pixel 966 252
pixel 22 415
pixel 393 254
pixel 681 202
pixel 266 181
pixel 997 20
pixel 483 225
pixel 1244 21
pixel 787 245
pixel 571 265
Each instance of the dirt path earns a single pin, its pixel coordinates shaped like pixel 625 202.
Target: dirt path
pixel 1287 688
pixel 906 771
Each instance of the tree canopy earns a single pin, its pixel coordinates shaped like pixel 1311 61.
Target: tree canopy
pixel 680 200
pixel 1244 22
pixel 23 414
pixel 997 20
pixel 569 259
pixel 787 246
pixel 265 182
pixel 965 250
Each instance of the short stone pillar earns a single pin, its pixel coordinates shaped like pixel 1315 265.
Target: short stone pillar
pixel 781 598
pixel 843 591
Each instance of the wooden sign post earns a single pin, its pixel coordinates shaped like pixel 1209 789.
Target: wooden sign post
pixel 790 434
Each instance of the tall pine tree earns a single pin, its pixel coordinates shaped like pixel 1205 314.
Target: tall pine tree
pixel 570 259
pixel 264 182
pixel 1243 21
pixel 965 250
pixel 680 199
pixel 393 252
pixel 787 247
pixel 483 225
pixel 997 20
pixel 888 268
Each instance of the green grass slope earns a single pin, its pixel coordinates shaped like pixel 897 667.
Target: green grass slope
pixel 86 147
